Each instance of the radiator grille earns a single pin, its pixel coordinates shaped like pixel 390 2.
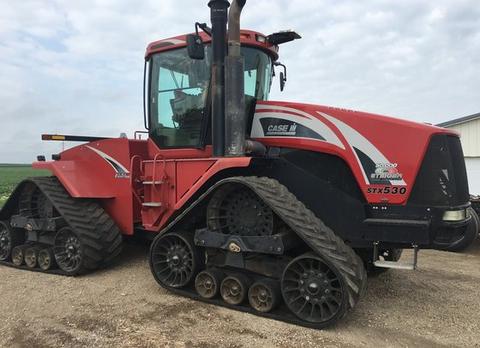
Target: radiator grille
pixel 442 179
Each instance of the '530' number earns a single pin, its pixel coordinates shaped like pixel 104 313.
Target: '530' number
pixel 395 190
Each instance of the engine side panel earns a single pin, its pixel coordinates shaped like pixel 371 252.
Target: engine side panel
pixel 383 153
pixel 324 184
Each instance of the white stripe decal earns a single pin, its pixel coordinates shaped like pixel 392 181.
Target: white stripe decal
pixel 173 41
pixel 108 159
pixel 283 108
pixel 355 139
pixel 311 122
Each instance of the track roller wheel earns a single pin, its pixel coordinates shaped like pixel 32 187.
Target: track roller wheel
pixel 174 260
pixel 31 256
pixel 46 259
pixel 314 290
pixel 68 251
pixel 264 295
pixel 9 238
pixel 234 289
pixel 18 255
pixel 207 283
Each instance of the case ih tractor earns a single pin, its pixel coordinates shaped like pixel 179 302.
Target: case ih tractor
pixel 269 207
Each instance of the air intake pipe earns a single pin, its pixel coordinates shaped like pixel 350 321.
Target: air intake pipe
pixel 234 86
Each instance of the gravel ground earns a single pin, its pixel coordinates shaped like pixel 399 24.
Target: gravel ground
pixel 436 306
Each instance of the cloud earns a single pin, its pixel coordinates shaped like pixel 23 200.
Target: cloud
pixel 76 66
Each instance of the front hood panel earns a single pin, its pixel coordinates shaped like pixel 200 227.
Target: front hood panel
pixel 384 153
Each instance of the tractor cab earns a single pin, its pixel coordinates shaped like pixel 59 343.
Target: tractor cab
pixel 179 87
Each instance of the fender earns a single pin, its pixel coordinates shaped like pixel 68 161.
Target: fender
pixel 108 160
pixel 99 170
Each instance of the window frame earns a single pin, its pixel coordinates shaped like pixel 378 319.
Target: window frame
pixel 203 132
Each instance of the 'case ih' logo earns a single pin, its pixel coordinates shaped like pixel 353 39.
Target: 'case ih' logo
pixel 282 129
pixel 279 127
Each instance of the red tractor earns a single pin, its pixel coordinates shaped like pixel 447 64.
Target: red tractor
pixel 269 207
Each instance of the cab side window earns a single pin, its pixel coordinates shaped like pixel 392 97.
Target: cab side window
pixel 178 99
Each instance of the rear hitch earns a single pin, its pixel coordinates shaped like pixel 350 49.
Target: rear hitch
pixel 395 264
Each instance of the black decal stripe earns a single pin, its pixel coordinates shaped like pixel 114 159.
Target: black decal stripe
pixel 115 166
pixel 369 168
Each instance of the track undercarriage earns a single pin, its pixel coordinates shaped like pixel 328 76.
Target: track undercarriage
pixel 44 229
pixel 261 251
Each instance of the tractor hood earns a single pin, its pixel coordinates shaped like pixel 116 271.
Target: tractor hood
pixel 380 150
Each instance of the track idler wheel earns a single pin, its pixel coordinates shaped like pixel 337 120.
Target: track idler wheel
pixel 175 260
pixel 314 290
pixel 18 254
pixel 264 295
pixel 46 259
pixel 234 289
pixel 9 239
pixel 31 256
pixel 207 283
pixel 237 210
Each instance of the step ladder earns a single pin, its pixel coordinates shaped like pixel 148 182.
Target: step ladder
pixel 152 204
pixel 156 182
pixel 395 264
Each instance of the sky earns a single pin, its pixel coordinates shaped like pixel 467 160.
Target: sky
pixel 76 67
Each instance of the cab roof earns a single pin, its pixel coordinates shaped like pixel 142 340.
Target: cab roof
pixel 247 38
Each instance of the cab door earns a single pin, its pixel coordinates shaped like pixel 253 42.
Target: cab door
pixel 178 101
pixel 178 121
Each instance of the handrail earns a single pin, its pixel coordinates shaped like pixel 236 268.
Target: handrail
pixel 154 174
pixel 139 132
pixel 132 160
pixel 145 121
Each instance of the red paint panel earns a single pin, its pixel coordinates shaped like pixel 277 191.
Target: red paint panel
pixel 247 37
pixel 198 172
pixel 184 153
pixel 189 172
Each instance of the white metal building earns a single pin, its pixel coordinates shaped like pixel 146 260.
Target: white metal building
pixel 469 128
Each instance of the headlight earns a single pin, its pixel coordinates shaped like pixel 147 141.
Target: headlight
pixel 455 215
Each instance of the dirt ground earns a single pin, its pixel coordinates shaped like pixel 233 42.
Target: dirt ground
pixel 436 306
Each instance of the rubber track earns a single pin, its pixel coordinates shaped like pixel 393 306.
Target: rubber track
pixel 307 226
pixel 100 236
pixel 313 231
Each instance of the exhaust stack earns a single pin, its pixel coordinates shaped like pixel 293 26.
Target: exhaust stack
pixel 234 86
pixel 218 14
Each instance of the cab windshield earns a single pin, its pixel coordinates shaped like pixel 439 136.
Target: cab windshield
pixel 179 93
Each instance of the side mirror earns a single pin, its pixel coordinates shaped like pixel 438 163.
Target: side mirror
pixel 282 81
pixel 283 75
pixel 195 47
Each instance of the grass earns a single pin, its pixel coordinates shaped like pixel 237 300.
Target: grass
pixel 12 174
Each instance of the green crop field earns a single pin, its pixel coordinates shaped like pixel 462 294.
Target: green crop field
pixel 11 175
